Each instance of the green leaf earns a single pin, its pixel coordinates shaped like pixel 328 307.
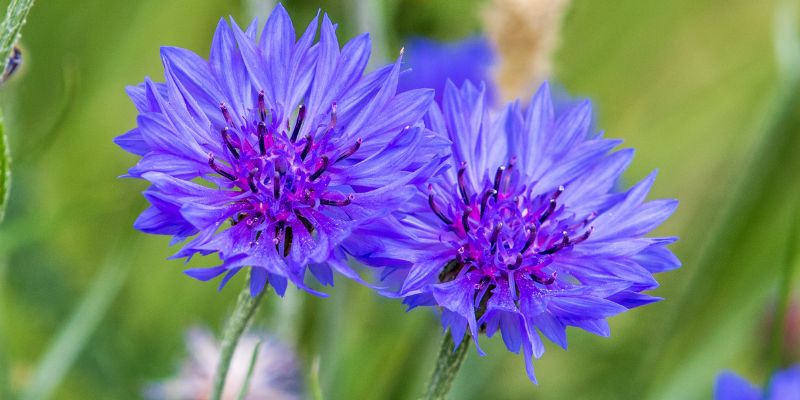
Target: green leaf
pixel 10 28
pixel 16 14
pixel 250 369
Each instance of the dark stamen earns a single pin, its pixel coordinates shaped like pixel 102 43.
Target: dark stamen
pixel 301 114
pixel 251 181
pixel 558 246
pixel 262 107
pixel 276 187
pixel 262 133
pixel 226 114
pixel 462 186
pixel 338 203
pixel 228 139
pixel 450 271
pixel 495 236
pixel 531 238
pixel 583 237
pixel 350 151
pixel 465 219
pixel 278 230
pixel 550 208
pixel 287 242
pixel 590 218
pixel 323 165
pixel 558 192
pixel 306 223
pixel 517 263
pixel 543 281
pixel 218 169
pixel 497 177
pixel 307 147
pixel 435 208
pixel 485 199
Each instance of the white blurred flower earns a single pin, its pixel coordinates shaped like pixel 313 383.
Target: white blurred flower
pixel 276 375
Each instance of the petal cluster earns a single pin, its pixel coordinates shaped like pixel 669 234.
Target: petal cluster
pixel 784 385
pixel 271 152
pixel 526 233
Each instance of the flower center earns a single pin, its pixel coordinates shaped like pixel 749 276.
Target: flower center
pixel 278 175
pixel 504 231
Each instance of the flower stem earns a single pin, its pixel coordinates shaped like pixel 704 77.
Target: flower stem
pixel 246 306
pixel 447 365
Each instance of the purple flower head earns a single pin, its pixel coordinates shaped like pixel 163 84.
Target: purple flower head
pixel 525 234
pixel 272 151
pixel 784 385
pixel 433 63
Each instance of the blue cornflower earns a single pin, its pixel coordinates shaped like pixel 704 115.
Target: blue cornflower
pixel 272 151
pixel 784 385
pixel 525 233
pixel 432 63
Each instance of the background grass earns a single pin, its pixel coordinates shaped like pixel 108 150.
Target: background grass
pixel 692 85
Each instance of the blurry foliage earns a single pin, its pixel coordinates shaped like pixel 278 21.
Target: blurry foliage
pixel 691 85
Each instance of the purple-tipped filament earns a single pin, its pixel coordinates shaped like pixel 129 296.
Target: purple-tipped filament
pixel 280 177
pixel 503 231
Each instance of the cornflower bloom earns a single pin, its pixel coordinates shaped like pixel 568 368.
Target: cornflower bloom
pixel 526 233
pixel 272 151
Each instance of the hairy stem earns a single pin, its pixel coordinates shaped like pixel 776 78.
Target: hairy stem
pixel 447 365
pixel 246 306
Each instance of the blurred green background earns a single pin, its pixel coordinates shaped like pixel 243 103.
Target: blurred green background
pixel 692 85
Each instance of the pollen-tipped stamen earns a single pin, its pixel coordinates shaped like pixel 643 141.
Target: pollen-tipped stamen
pixel 228 139
pixel 262 107
pixel 532 231
pixel 226 114
pixel 485 199
pixel 251 180
pixel 465 219
pixel 497 178
pixel 350 151
pixel 544 281
pixel 558 246
pixel 219 169
pixel 338 203
pixel 307 147
pixel 298 123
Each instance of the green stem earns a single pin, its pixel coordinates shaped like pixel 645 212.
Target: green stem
pixel 447 365
pixel 246 306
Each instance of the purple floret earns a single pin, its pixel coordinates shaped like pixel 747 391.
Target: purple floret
pixel 274 150
pixel 525 234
